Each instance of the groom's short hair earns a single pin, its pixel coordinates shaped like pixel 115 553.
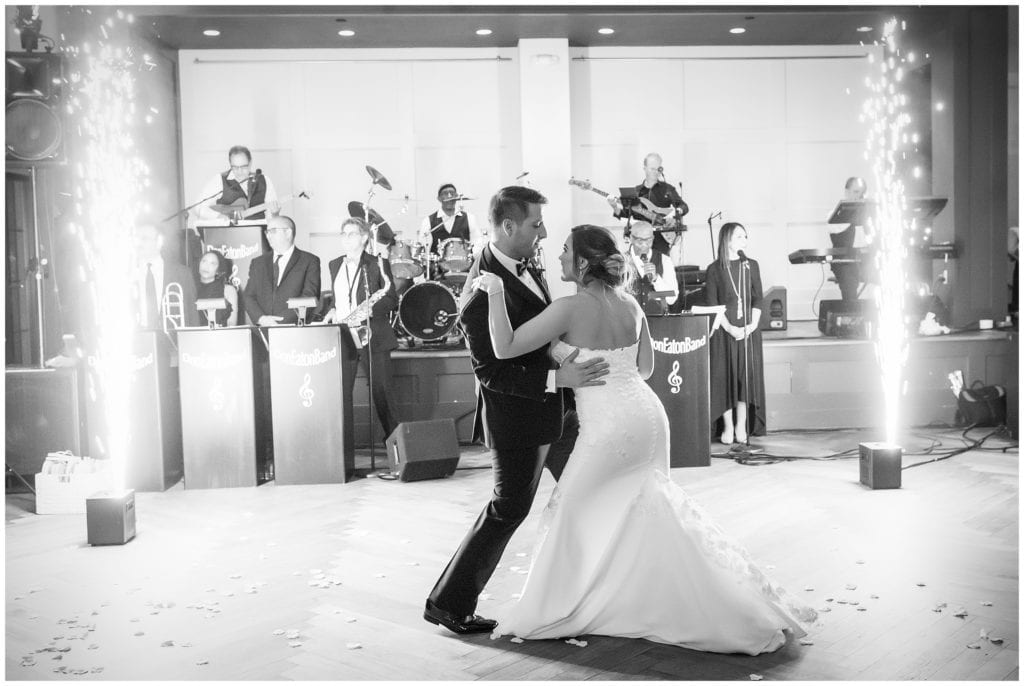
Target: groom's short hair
pixel 512 202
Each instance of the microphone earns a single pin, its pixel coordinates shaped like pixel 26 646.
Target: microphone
pixel 743 258
pixel 716 215
pixel 644 258
pixel 525 173
pixel 661 169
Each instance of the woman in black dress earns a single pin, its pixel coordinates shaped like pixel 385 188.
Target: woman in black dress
pixel 214 272
pixel 735 282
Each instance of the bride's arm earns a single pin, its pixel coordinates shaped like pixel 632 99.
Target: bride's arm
pixel 645 352
pixel 548 325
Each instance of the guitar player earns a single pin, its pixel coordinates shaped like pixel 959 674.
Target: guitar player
pixel 657 192
pixel 241 187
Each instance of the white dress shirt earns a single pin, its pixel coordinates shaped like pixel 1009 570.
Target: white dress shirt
pixel 345 290
pixel 476 238
pixel 526 278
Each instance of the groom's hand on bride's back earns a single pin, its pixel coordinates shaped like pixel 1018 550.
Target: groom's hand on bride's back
pixel 573 374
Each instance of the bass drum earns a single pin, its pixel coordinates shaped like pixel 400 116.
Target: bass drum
pixel 428 311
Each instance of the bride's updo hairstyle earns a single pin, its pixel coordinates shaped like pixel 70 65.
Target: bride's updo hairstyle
pixel 604 261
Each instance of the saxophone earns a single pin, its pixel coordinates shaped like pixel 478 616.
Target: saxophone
pixel 362 311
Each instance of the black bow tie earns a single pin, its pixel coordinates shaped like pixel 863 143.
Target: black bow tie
pixel 522 265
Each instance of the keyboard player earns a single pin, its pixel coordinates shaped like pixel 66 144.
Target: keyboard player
pixel 848 274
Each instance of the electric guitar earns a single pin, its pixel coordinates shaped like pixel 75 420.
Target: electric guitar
pixel 240 209
pixel 657 216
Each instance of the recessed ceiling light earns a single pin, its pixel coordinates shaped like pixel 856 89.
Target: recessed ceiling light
pixel 347 33
pixel 865 29
pixel 737 29
pixel 484 32
pixel 213 33
pixel 606 31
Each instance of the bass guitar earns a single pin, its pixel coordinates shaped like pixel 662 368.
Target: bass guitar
pixel 657 216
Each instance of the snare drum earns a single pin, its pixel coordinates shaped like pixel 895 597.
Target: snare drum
pixel 455 255
pixel 406 260
pixel 428 311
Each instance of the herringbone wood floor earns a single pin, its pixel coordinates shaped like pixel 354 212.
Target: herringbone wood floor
pixel 212 575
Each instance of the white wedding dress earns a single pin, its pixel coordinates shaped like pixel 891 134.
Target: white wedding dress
pixel 623 551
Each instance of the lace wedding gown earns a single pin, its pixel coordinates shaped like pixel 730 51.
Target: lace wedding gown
pixel 623 551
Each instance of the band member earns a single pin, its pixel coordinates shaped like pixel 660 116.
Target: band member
pixel 449 222
pixel 655 271
pixel 737 357
pixel 848 274
pixel 153 276
pixel 240 187
pixel 657 192
pixel 284 272
pixel 357 277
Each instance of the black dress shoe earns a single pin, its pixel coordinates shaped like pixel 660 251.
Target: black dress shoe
pixel 474 624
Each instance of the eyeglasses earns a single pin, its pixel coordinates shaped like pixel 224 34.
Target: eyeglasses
pixel 277 229
pixel 241 166
pixel 642 240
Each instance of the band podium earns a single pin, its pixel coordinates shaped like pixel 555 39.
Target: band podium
pixel 225 440
pixel 681 380
pixel 312 427
pixel 154 448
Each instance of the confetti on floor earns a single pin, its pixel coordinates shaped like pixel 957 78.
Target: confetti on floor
pixel 756 677
pixel 353 646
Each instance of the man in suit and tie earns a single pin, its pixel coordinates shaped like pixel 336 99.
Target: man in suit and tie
pixel 355 277
pixel 153 275
pixel 284 272
pixel 520 404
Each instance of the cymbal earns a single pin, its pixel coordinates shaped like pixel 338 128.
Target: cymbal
pixel 357 209
pixel 378 178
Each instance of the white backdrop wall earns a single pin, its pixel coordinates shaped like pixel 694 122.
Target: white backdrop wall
pixel 766 135
pixel 315 118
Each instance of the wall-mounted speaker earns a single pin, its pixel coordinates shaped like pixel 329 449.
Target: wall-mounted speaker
pixel 423 450
pixel 34 94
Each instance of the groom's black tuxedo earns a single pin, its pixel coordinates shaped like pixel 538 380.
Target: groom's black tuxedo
pixel 513 407
pixel 517 416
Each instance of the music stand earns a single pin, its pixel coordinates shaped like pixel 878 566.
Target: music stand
pixel 851 212
pixel 925 208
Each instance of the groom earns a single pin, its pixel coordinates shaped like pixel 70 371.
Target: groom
pixel 526 423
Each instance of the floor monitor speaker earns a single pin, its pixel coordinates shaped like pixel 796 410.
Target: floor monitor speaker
pixel 423 450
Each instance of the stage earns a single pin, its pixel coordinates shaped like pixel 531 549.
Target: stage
pixel 811 381
pixel 217 580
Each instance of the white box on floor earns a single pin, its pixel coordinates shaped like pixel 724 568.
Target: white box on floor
pixel 66 480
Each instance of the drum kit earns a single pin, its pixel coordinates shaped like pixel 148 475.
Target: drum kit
pixel 428 311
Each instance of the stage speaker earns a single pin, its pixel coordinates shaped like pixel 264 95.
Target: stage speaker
pixel 35 128
pixel 423 450
pixel 43 415
pixel 845 318
pixel 774 311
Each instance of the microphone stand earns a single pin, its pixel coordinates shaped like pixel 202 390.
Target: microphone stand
pixel 369 359
pixel 745 289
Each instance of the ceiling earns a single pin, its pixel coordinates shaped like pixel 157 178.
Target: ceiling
pixel 405 26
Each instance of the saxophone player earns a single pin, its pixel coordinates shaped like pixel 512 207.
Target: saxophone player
pixel 363 285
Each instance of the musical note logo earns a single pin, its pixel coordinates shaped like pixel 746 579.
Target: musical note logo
pixel 305 392
pixel 674 380
pixel 216 395
pixel 234 279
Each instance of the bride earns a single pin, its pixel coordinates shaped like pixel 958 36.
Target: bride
pixel 622 550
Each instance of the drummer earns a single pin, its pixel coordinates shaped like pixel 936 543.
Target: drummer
pixel 451 221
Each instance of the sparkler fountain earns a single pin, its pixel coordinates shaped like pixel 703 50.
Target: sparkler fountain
pixel 105 120
pixel 887 229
